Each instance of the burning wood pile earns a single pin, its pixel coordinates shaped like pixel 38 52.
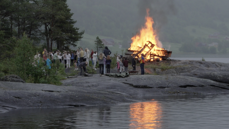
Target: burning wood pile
pixel 149 53
pixel 148 44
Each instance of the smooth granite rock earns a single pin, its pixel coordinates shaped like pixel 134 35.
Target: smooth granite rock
pixel 12 78
pixel 103 90
pixel 187 78
pixel 200 69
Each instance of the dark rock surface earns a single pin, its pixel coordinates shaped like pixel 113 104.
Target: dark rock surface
pixel 200 69
pixel 96 90
pixel 12 78
pixel 187 78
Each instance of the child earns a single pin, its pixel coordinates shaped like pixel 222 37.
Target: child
pixel 121 65
pixel 94 58
pixel 68 58
pixel 108 63
pixel 118 60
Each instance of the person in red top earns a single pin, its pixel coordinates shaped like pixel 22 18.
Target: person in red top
pixel 92 57
pixel 125 63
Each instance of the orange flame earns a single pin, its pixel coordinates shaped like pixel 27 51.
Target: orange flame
pixel 147 35
pixel 145 115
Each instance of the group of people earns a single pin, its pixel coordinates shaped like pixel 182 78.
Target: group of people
pixel 81 59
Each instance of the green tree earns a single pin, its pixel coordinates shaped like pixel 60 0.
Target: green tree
pixel 58 24
pixel 25 57
pixel 98 44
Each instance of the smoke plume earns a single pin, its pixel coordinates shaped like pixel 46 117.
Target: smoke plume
pixel 159 10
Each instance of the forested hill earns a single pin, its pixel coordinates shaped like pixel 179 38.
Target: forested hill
pixel 195 21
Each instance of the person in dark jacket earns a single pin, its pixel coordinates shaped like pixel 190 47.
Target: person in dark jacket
pixel 134 64
pixel 101 63
pixel 82 67
pixel 106 51
pixel 108 64
pixel 72 58
pixel 125 63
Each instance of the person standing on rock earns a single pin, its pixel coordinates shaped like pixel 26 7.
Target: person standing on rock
pixel 81 55
pixel 94 60
pixel 125 63
pixel 117 61
pixel 134 64
pixel 78 57
pixel 121 65
pixel 87 55
pixel 106 52
pixel 92 57
pixel 108 64
pixel 101 63
pixel 142 63
pixel 65 58
pixel 82 67
pixel 68 57
pixel 72 58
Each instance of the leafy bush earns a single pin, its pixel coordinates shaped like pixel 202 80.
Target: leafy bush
pixel 21 62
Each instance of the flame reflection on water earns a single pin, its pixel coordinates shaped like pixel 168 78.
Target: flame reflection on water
pixel 145 115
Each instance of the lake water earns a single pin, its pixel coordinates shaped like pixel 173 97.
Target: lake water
pixel 211 112
pixel 187 113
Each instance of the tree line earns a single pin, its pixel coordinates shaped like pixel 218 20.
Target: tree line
pixel 48 21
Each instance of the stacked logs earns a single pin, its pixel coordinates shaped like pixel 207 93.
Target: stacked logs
pixel 162 54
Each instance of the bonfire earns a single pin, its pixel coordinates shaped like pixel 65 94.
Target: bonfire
pixel 148 44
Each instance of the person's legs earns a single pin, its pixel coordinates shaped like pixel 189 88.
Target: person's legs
pixel 71 62
pixel 92 61
pixel 65 63
pixel 142 69
pixel 108 68
pixel 84 69
pixel 118 66
pixel 104 69
pixel 87 60
pixel 101 68
pixel 126 69
pixel 81 70
pixel 94 64
pixel 78 62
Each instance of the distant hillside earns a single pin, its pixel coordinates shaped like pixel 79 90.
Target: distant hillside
pixel 195 21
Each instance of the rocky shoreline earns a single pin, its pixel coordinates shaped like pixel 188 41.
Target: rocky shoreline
pixel 185 78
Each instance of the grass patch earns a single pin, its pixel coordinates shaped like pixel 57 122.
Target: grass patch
pixel 161 65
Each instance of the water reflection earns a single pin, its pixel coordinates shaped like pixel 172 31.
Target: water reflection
pixel 104 116
pixel 145 115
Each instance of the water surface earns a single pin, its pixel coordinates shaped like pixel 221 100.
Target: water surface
pixel 186 113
